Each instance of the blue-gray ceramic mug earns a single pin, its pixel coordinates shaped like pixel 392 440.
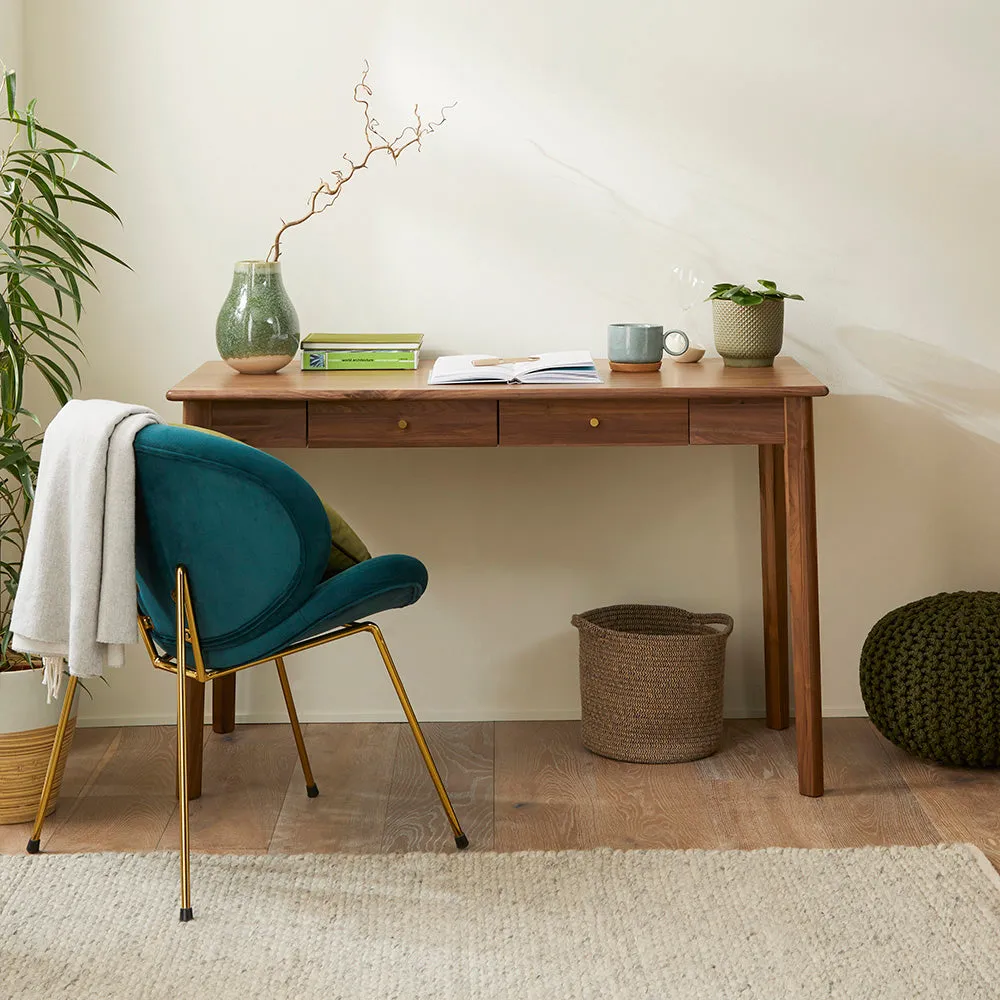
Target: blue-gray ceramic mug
pixel 643 343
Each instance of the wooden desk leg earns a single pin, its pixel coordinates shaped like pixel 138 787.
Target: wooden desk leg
pixel 774 565
pixel 800 486
pixel 195 699
pixel 224 704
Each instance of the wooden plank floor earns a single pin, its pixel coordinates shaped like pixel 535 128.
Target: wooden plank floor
pixel 515 786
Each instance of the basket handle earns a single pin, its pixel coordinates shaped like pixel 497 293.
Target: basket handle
pixel 716 619
pixel 719 618
pixel 585 625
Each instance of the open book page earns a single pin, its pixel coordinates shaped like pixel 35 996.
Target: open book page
pixel 557 367
pixel 554 367
pixel 459 368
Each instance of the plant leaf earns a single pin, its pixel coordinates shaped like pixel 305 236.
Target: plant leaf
pixel 10 88
pixel 55 346
pixel 30 122
pixel 71 146
pixel 103 252
pixel 40 274
pixel 58 382
pixel 44 190
pixel 89 198
pixel 770 285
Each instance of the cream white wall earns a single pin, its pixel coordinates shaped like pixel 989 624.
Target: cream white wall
pixel 11 33
pixel 604 162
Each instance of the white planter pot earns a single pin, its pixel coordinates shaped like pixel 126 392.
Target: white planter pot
pixel 22 702
pixel 27 732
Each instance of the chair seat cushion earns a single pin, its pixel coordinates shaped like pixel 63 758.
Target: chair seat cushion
pixel 378 584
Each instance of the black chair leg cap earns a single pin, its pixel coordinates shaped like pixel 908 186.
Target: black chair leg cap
pixel 462 842
pixel 186 914
pixel 34 846
pixel 312 791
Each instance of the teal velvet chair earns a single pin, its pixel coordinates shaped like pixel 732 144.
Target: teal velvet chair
pixel 231 553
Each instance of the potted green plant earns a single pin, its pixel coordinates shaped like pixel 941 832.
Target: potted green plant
pixel 44 266
pixel 749 323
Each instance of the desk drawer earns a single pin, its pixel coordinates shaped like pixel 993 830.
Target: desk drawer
pixel 388 424
pixel 583 422
pixel 267 424
pixel 737 421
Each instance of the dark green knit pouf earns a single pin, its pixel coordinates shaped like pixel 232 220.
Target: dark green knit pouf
pixel 930 678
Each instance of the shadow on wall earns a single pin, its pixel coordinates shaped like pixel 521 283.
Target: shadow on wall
pixel 906 497
pixel 966 393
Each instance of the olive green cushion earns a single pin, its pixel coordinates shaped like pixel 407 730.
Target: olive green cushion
pixel 346 548
pixel 930 678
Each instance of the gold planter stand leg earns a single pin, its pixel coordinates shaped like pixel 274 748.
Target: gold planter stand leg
pixel 293 717
pixel 461 840
pixel 34 843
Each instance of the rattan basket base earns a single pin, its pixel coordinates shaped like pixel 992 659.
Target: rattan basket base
pixel 636 754
pixel 24 758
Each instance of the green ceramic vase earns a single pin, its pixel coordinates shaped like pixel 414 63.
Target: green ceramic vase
pixel 257 331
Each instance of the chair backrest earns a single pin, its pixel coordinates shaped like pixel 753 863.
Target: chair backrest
pixel 250 531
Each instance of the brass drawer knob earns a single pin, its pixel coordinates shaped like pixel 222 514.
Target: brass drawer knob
pixel 594 422
pixel 402 425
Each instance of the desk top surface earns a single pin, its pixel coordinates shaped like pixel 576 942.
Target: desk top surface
pixel 707 379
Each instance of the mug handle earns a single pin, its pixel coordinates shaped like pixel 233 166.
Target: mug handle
pixel 687 343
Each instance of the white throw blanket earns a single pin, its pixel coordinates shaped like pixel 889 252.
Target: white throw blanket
pixel 76 597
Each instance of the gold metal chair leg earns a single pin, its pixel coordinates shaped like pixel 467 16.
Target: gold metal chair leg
pixel 311 790
pixel 34 844
pixel 461 840
pixel 182 748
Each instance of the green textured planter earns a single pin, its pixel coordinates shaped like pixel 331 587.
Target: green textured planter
pixel 257 331
pixel 748 336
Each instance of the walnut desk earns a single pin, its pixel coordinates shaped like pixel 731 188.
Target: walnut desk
pixel 700 404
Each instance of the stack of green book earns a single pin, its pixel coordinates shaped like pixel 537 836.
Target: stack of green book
pixel 330 352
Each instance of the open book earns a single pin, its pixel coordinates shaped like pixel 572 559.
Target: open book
pixel 573 367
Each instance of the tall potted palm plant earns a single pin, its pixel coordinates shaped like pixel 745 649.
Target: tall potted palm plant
pixel 45 265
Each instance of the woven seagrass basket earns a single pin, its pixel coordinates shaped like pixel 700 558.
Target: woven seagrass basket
pixel 27 733
pixel 651 681
pixel 24 759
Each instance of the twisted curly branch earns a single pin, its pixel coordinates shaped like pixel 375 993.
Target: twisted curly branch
pixel 328 191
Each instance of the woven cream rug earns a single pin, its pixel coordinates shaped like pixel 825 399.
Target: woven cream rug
pixel 869 924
